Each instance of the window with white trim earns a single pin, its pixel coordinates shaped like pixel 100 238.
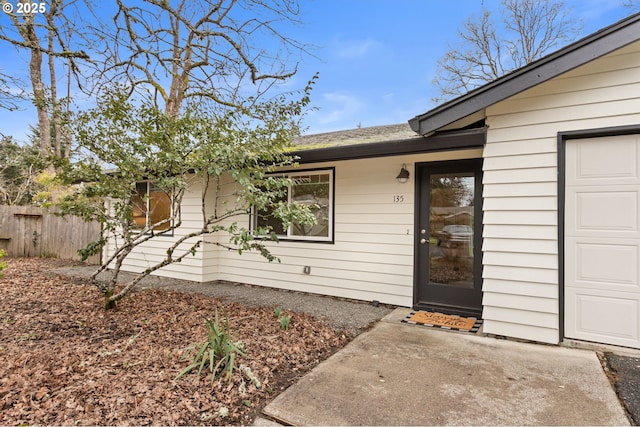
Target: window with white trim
pixel 151 205
pixel 313 189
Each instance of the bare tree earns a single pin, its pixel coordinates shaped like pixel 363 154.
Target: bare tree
pixel 39 29
pixel 200 51
pixel 11 92
pixel 171 51
pixel 19 167
pixel 490 48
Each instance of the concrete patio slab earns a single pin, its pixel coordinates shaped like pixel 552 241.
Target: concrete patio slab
pixel 397 374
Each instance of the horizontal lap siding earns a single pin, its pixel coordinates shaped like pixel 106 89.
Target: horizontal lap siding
pixel 371 257
pixel 520 275
pixel 154 251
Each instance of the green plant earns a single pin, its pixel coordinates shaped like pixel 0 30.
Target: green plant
pixel 218 351
pixel 278 312
pixel 284 322
pixel 3 264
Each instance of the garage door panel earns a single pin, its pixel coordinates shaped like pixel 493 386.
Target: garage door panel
pixel 610 160
pixel 608 211
pixel 604 212
pixel 603 265
pixel 603 317
pixel 602 240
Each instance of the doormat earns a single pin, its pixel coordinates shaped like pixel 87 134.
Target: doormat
pixel 443 321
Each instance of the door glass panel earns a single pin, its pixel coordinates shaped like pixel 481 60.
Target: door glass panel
pixel 451 222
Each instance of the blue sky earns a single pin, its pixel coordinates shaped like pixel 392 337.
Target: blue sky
pixel 376 58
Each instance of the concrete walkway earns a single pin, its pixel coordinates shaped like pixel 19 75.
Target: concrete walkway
pixel 397 374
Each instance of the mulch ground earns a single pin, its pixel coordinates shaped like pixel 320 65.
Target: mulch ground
pixel 65 360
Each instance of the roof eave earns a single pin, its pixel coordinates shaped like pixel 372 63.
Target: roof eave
pixel 454 140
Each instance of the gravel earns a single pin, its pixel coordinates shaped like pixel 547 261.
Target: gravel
pixel 626 372
pixel 349 316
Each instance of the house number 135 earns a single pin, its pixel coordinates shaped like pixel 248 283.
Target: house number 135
pixel 398 198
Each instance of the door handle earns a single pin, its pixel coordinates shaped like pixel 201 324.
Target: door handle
pixel 423 241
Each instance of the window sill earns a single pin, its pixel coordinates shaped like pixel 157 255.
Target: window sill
pixel 298 240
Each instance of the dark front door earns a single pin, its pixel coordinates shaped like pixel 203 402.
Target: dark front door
pixel 449 237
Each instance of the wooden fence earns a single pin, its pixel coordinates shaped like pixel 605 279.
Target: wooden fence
pixel 30 231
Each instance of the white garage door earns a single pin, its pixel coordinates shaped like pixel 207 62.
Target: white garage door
pixel 602 240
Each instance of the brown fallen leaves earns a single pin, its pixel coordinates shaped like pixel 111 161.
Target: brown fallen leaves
pixel 65 360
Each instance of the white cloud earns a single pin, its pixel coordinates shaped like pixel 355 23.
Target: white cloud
pixel 338 107
pixel 335 111
pixel 355 49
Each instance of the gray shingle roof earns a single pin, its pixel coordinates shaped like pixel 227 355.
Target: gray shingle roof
pixel 356 136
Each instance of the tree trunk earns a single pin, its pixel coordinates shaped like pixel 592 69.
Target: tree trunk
pixel 39 92
pixel 54 100
pixel 179 75
pixel 109 303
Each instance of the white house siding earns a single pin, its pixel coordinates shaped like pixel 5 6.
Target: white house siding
pixel 223 196
pixel 372 255
pixel 520 187
pixel 153 251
